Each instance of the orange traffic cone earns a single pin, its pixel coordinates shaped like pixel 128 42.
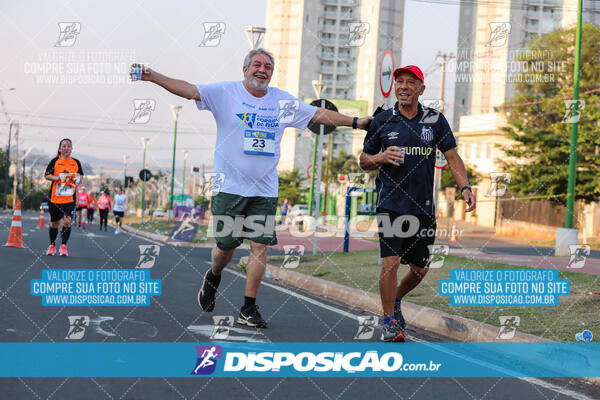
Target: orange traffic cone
pixel 42 220
pixel 454 233
pixel 15 236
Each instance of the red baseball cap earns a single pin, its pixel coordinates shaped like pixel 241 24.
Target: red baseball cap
pixel 413 69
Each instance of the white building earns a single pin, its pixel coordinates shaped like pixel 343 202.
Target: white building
pixel 491 36
pixel 342 41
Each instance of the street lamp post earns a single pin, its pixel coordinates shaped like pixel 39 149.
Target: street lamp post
pixel 255 35
pixel 25 155
pixel 145 141
pixel 14 200
pixel 10 122
pixel 568 236
pixel 185 156
pixel 125 158
pixel 175 110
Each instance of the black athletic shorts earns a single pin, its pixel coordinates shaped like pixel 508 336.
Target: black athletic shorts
pixel 119 213
pixel 57 211
pixel 406 235
pixel 79 208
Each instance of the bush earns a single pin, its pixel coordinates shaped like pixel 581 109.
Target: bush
pixel 33 200
pixel 202 202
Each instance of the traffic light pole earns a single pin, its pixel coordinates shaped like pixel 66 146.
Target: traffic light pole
pixel 567 238
pixel 312 176
pixel 573 153
pixel 317 192
pixel 173 166
pixel 143 184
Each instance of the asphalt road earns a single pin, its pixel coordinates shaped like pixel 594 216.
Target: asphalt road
pixel 175 316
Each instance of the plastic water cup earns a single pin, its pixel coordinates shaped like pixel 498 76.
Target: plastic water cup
pixel 403 151
pixel 136 73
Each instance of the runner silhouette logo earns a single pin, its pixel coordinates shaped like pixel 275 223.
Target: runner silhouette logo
pixel 366 327
pixel 148 255
pixel 221 327
pixel 207 359
pixel 77 325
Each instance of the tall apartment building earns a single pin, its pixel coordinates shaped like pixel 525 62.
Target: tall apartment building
pixel 341 41
pixel 486 63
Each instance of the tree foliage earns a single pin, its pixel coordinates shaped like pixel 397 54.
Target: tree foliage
pixel 289 186
pixel 448 180
pixel 539 160
pixel 344 164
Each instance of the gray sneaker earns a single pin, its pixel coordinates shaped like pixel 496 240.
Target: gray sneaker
pixel 392 332
pixel 399 317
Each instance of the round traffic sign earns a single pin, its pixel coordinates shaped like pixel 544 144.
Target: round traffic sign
pixel 440 160
pixel 145 175
pixel 309 168
pixel 386 69
pixel 316 128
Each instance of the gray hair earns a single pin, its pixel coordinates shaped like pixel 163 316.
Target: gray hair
pixel 254 52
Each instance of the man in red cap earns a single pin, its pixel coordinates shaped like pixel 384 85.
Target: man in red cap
pixel 401 142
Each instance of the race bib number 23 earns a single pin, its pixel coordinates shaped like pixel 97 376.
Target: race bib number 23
pixel 259 143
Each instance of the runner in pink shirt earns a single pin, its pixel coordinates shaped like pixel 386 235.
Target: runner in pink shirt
pixel 104 207
pixel 82 204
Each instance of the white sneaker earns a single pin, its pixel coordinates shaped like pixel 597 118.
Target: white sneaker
pixel 117 231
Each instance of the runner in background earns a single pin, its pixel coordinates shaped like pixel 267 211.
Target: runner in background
pixel 82 206
pixel 91 208
pixel 119 209
pixel 64 172
pixel 103 208
pixel 284 211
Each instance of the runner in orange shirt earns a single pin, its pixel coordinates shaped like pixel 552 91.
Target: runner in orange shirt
pixel 91 208
pixel 64 172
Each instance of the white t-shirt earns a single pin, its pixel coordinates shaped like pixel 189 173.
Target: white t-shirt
pixel 249 131
pixel 119 202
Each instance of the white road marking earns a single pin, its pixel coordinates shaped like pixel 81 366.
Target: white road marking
pixel 557 389
pixel 534 381
pixel 142 237
pixel 207 330
pixel 298 295
pixel 93 235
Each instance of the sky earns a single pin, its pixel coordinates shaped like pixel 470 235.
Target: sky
pixel 80 89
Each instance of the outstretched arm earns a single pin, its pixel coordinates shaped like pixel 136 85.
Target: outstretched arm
pixel 329 117
pixel 176 86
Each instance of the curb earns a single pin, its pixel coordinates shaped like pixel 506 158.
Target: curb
pixel 439 322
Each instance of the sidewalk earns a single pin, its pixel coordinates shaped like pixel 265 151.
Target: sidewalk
pixel 475 242
pixel 592 265
pixel 324 244
pixel 336 244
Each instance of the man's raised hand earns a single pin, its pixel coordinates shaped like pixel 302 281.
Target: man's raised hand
pixel 139 72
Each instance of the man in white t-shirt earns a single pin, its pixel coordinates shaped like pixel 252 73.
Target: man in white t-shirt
pixel 251 118
pixel 119 209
